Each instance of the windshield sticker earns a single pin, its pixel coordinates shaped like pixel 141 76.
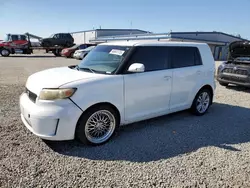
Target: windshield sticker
pixel 116 52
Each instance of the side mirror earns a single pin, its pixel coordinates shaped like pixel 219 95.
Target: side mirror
pixel 136 67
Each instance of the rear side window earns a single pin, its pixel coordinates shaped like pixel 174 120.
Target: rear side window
pixel 68 36
pixel 153 57
pixel 185 57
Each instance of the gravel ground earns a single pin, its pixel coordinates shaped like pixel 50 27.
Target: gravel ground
pixel 178 150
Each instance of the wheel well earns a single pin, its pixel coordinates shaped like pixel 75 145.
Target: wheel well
pixel 104 103
pixel 210 89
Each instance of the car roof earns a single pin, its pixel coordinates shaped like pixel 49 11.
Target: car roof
pixel 153 43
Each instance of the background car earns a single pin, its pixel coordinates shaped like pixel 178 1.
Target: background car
pixel 68 52
pixel 237 68
pixel 60 39
pixel 80 54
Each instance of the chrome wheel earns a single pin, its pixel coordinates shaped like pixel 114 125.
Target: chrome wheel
pixel 100 126
pixel 203 102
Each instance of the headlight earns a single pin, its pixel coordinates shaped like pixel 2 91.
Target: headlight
pixel 221 67
pixel 53 94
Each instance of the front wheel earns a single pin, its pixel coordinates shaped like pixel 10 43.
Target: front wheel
pixel 4 52
pixel 201 102
pixel 97 125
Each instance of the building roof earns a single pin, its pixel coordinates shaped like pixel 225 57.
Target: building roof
pixel 112 30
pixel 170 35
pixel 152 43
pixel 209 32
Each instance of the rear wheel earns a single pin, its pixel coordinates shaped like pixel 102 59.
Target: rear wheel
pixel 201 102
pixel 97 125
pixel 4 52
pixel 71 55
pixel 57 52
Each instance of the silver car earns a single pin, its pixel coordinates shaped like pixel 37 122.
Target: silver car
pixel 80 54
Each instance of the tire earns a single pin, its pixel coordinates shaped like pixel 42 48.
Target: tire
pixel 71 55
pixel 57 53
pixel 204 100
pixel 223 84
pixel 89 137
pixel 4 52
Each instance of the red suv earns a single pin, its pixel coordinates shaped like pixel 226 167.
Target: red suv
pixel 68 52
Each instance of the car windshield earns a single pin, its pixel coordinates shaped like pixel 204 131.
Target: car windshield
pixel 7 38
pixel 104 59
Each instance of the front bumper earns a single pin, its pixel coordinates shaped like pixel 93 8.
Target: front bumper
pixel 50 120
pixel 77 56
pixel 234 79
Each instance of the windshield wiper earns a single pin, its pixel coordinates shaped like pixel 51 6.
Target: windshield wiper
pixel 86 68
pixel 92 70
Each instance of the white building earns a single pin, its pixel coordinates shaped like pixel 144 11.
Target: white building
pixel 82 37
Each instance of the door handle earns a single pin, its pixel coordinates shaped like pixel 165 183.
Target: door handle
pixel 198 72
pixel 167 77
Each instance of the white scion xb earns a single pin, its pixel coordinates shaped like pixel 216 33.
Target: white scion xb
pixel 116 84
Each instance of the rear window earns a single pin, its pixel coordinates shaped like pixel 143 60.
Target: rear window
pixel 185 57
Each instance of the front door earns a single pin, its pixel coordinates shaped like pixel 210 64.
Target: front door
pixel 147 94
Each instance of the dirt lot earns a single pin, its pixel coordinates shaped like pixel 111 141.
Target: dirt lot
pixel 178 150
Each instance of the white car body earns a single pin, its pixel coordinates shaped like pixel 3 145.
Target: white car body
pixel 137 96
pixel 77 54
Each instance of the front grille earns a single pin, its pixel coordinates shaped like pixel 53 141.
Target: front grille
pixel 237 71
pixel 32 96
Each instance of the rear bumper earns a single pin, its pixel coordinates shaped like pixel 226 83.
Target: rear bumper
pixel 50 121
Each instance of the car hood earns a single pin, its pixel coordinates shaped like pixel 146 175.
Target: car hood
pixel 3 43
pixel 239 49
pixel 56 77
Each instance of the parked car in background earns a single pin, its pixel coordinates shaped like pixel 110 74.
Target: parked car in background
pixel 80 54
pixel 236 70
pixel 69 52
pixel 59 39
pixel 117 84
